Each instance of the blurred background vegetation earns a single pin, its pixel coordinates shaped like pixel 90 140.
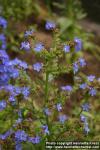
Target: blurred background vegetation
pixel 68 14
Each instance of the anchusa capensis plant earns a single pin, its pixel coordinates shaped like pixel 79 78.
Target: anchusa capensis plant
pixel 33 106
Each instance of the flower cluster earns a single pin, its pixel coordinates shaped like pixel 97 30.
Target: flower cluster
pixel 37 103
pixel 78 64
pixel 10 69
pixel 89 85
pixel 7 70
pixel 84 119
pixel 14 92
pixel 21 136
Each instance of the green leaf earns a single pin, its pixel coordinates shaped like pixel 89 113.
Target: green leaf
pixel 29 146
pixel 64 23
pixel 87 114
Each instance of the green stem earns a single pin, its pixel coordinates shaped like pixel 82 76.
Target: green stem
pixel 11 116
pixel 48 3
pixel 46 88
pixel 80 112
pixel 46 98
pixel 72 60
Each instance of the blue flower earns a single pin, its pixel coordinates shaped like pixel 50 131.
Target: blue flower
pixel 91 78
pixel 15 73
pixel 17 90
pixel 34 140
pixel 50 25
pixel 12 99
pixel 25 91
pixel 3 105
pixel 4 56
pixel 4 78
pixel 37 66
pixel 75 67
pixel 86 128
pixel 63 118
pixel 59 107
pixel 13 90
pixel 23 65
pixel 19 63
pixel 25 45
pixel 38 47
pixel 66 48
pixel 3 22
pixel 18 145
pixel 20 136
pixel 2 68
pixel 92 92
pixel 15 62
pixel 83 86
pixel 82 62
pixel 85 107
pixel 67 88
pixel 6 134
pixel 2 41
pixel 9 88
pixel 83 118
pixel 47 111
pixel 45 129
pixel 7 70
pixel 78 45
pixel 18 121
pixel 28 33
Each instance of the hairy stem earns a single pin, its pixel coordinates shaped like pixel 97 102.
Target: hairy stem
pixel 46 88
pixel 46 96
